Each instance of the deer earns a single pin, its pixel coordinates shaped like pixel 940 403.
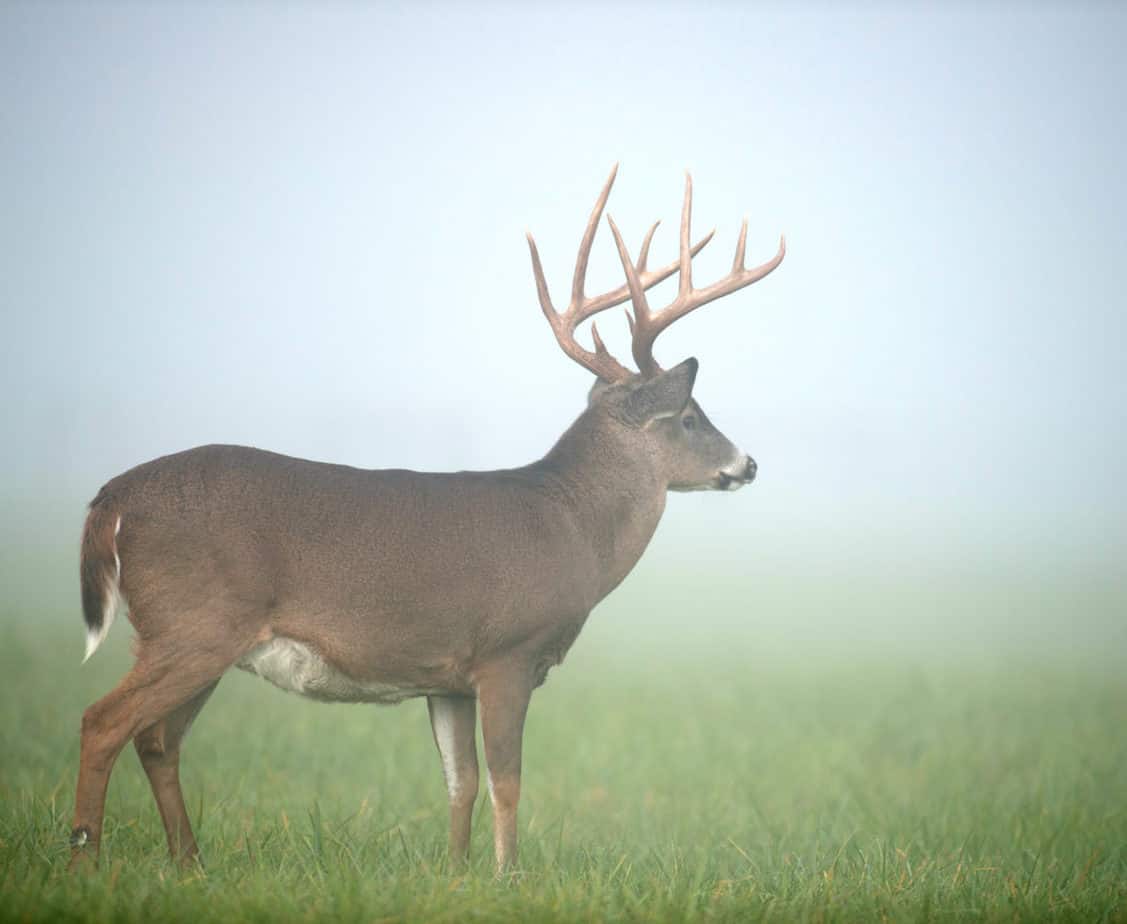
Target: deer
pixel 344 584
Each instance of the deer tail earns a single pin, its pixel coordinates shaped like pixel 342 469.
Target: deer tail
pixel 100 572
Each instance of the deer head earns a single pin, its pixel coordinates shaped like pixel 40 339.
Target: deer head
pixel 653 410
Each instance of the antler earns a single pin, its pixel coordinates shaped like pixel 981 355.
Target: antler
pixel 645 325
pixel 581 307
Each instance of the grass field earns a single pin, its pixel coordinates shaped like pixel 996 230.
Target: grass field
pixel 697 776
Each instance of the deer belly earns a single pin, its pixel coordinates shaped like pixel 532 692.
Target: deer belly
pixel 294 666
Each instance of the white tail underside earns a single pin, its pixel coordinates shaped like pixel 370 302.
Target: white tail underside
pixel 114 601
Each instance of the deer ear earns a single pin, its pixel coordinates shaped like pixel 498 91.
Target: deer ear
pixel 665 395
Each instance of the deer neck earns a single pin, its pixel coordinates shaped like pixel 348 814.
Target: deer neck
pixel 614 494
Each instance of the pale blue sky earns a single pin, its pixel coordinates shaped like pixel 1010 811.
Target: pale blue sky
pixel 301 227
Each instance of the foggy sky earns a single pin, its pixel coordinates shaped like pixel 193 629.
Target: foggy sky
pixel 301 227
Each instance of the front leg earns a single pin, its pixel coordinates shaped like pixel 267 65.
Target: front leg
pixel 453 720
pixel 503 695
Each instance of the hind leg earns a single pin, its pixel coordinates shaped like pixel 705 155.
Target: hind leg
pixel 158 746
pixel 159 683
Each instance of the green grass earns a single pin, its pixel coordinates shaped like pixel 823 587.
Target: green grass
pixel 696 779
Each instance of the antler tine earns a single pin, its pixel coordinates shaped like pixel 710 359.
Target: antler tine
pixel 588 238
pixel 646 325
pixel 685 280
pixel 738 262
pixel 580 308
pixel 633 283
pixel 644 253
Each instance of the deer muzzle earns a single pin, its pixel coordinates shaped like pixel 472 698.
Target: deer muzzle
pixel 736 476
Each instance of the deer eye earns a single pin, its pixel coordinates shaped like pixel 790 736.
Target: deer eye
pixel 689 423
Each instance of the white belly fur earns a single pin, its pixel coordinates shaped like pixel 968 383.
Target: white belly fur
pixel 294 666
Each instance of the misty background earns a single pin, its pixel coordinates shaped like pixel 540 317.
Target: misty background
pixel 301 227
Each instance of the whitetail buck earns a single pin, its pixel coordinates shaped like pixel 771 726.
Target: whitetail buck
pixel 348 585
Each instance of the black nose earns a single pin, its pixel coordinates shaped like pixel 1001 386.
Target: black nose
pixel 752 468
